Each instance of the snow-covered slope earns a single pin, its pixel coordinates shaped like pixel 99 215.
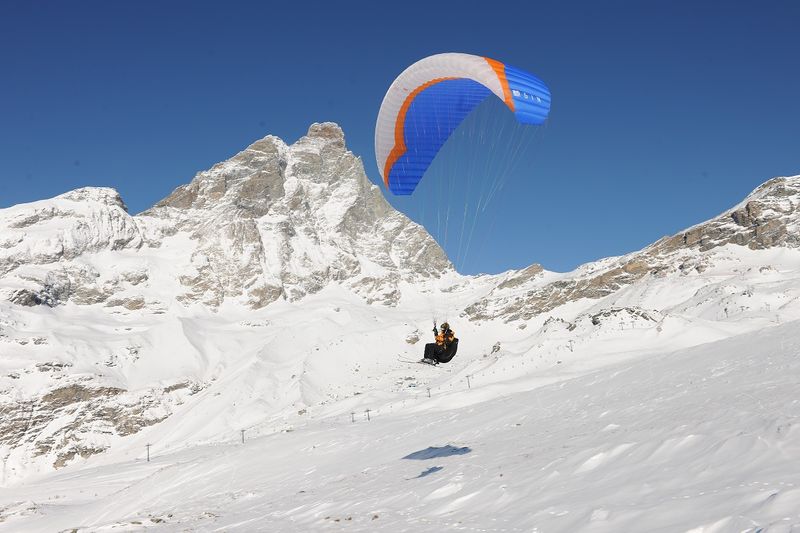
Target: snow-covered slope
pixel 274 294
pixel 702 439
pixel 110 322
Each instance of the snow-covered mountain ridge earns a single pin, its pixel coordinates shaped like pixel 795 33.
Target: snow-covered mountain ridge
pixel 277 289
pixel 767 218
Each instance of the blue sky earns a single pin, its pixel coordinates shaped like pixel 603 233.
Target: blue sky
pixel 664 113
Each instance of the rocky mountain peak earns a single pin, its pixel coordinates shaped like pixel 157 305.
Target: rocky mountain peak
pixel 327 132
pixel 101 195
pixel 299 216
pixel 273 221
pixel 255 174
pixel 252 180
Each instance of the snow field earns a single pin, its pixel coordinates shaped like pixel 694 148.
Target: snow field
pixel 703 439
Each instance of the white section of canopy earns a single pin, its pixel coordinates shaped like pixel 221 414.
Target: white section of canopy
pixel 449 65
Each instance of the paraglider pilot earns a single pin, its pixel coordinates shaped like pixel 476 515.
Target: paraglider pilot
pixel 445 347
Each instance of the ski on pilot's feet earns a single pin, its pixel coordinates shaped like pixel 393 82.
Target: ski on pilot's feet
pixel 420 361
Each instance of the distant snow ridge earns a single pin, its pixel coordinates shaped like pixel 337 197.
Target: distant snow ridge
pixel 40 243
pixel 768 218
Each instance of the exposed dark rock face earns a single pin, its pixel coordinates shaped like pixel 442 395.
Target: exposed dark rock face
pixel 80 409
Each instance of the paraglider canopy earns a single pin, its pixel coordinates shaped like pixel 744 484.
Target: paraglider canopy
pixel 432 97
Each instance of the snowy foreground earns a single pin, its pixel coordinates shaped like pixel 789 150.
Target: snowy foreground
pixel 701 439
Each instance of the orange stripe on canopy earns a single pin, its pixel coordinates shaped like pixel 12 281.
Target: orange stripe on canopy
pixel 500 69
pixel 399 127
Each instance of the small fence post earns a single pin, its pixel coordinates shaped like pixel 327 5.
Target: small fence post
pixel 353 417
pixel 367 411
pixel 468 385
pixel 429 392
pixel 242 435
pixel 148 452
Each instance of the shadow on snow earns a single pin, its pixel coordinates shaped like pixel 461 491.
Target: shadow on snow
pixel 432 452
pixel 431 470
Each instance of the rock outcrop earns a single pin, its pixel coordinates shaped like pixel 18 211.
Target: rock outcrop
pixel 766 219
